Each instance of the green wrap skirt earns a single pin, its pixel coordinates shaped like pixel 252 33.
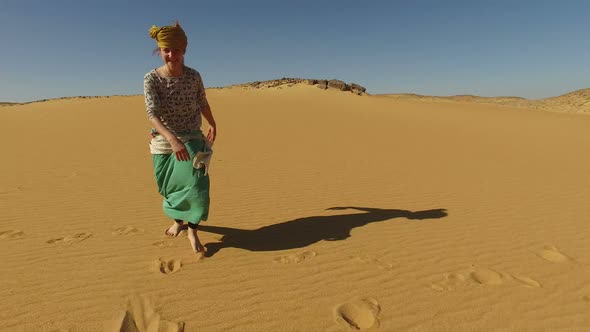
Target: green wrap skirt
pixel 185 188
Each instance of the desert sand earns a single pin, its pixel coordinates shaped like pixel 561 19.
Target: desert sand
pixel 330 212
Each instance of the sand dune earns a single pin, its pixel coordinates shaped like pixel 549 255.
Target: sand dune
pixel 330 212
pixel 573 102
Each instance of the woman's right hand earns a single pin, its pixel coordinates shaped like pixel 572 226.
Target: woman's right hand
pixel 179 149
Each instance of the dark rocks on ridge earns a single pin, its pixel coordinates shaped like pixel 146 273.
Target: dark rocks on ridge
pixel 340 85
pixel 355 88
pixel 322 84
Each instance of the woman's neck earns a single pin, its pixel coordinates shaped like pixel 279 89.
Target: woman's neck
pixel 174 71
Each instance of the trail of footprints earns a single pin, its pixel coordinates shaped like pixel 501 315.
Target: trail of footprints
pixel 78 237
pixel 356 314
pixel 485 276
pixel 70 239
pixel 129 230
pixel 482 276
pixel 307 255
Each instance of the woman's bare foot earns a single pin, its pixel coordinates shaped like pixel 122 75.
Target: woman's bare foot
pixel 174 230
pixel 195 242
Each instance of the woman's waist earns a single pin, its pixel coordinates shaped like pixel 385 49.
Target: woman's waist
pixel 159 144
pixel 194 133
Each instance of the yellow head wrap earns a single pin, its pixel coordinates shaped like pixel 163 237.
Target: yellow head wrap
pixel 169 36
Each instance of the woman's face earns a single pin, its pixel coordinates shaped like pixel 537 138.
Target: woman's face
pixel 173 56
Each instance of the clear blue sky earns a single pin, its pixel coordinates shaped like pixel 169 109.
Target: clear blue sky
pixel 528 48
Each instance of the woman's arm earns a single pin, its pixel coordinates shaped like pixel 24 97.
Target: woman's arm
pixel 177 146
pixel 205 109
pixel 208 115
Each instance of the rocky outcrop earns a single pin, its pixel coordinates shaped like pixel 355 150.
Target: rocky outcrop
pixel 271 83
pixel 355 88
pixel 337 84
pixel 322 84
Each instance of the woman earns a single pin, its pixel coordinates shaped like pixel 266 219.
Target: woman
pixel 175 100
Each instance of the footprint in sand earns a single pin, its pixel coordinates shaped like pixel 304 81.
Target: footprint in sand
pixel 358 314
pixel 143 315
pixel 162 244
pixel 127 231
pixel 528 282
pixel 482 276
pixel 11 234
pixel 586 298
pixel 168 266
pixel 486 277
pixel 450 282
pixel 295 258
pixel 369 259
pixel 70 239
pixel 552 254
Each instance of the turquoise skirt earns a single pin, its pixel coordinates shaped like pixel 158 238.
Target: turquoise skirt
pixel 184 188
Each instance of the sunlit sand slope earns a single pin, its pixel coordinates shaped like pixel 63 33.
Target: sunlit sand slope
pixel 330 212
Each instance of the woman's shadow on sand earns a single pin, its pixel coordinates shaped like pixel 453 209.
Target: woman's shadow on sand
pixel 302 232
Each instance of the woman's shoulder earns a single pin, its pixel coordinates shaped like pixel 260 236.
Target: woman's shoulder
pixel 192 72
pixel 150 75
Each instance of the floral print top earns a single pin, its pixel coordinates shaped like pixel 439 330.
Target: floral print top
pixel 177 101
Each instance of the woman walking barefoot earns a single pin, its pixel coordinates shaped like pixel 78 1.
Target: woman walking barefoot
pixel 175 101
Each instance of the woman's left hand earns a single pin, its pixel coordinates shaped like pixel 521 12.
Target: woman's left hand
pixel 211 134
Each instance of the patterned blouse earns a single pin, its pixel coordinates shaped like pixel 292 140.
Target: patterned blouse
pixel 177 101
